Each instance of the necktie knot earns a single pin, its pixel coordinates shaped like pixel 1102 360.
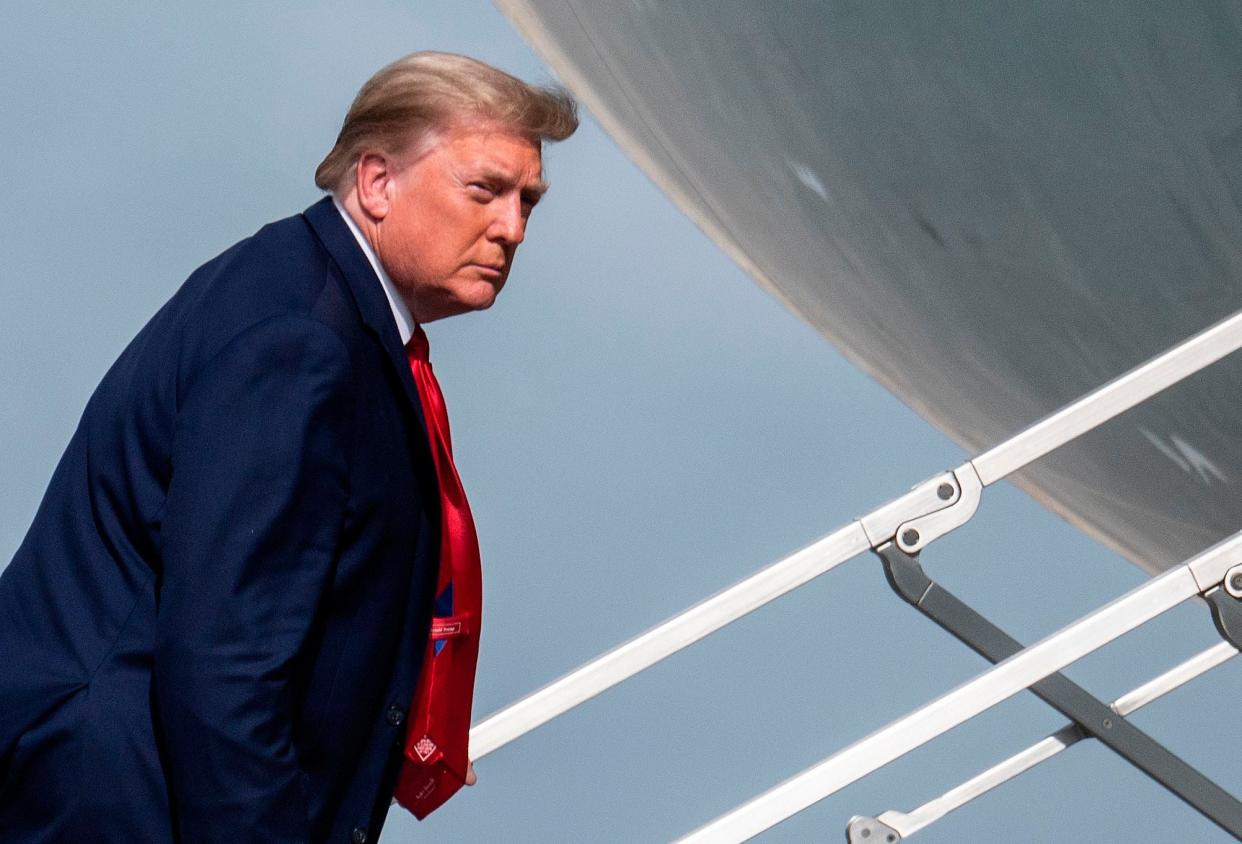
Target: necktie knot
pixel 418 348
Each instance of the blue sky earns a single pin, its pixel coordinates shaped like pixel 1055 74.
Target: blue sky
pixel 637 424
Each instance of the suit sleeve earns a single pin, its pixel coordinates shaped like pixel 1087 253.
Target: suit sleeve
pixel 254 511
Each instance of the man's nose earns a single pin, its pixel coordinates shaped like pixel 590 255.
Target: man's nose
pixel 509 225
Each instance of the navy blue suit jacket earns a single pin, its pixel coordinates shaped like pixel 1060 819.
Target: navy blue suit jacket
pixel 214 627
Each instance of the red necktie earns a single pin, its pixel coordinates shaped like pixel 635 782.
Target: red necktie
pixel 437 741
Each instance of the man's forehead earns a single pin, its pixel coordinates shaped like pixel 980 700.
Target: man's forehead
pixel 495 149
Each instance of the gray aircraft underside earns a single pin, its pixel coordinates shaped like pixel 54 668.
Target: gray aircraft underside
pixel 992 208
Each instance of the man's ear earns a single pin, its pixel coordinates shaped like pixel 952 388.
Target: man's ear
pixel 373 181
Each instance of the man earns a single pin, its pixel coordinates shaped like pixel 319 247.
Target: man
pixel 216 625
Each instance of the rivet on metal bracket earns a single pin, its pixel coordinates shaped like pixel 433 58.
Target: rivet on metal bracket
pixel 917 533
pixel 935 494
pixel 864 830
pixel 1233 581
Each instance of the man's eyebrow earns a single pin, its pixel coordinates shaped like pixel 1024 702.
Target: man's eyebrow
pixel 531 192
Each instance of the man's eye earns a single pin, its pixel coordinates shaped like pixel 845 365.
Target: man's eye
pixel 481 191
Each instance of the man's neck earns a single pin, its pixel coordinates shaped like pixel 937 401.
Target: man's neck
pixel 400 311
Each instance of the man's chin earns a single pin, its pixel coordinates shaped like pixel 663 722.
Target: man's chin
pixel 482 295
pixel 457 298
pixel 474 300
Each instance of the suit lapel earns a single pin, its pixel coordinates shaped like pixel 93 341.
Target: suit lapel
pixel 369 296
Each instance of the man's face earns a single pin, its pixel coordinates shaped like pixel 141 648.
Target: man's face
pixel 456 217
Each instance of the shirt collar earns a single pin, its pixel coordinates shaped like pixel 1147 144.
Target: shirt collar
pixel 400 313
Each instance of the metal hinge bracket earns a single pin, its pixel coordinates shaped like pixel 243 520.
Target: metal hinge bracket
pixel 927 512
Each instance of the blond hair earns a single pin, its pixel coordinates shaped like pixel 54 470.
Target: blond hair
pixel 407 102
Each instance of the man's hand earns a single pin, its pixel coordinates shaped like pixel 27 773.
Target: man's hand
pixel 471 779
